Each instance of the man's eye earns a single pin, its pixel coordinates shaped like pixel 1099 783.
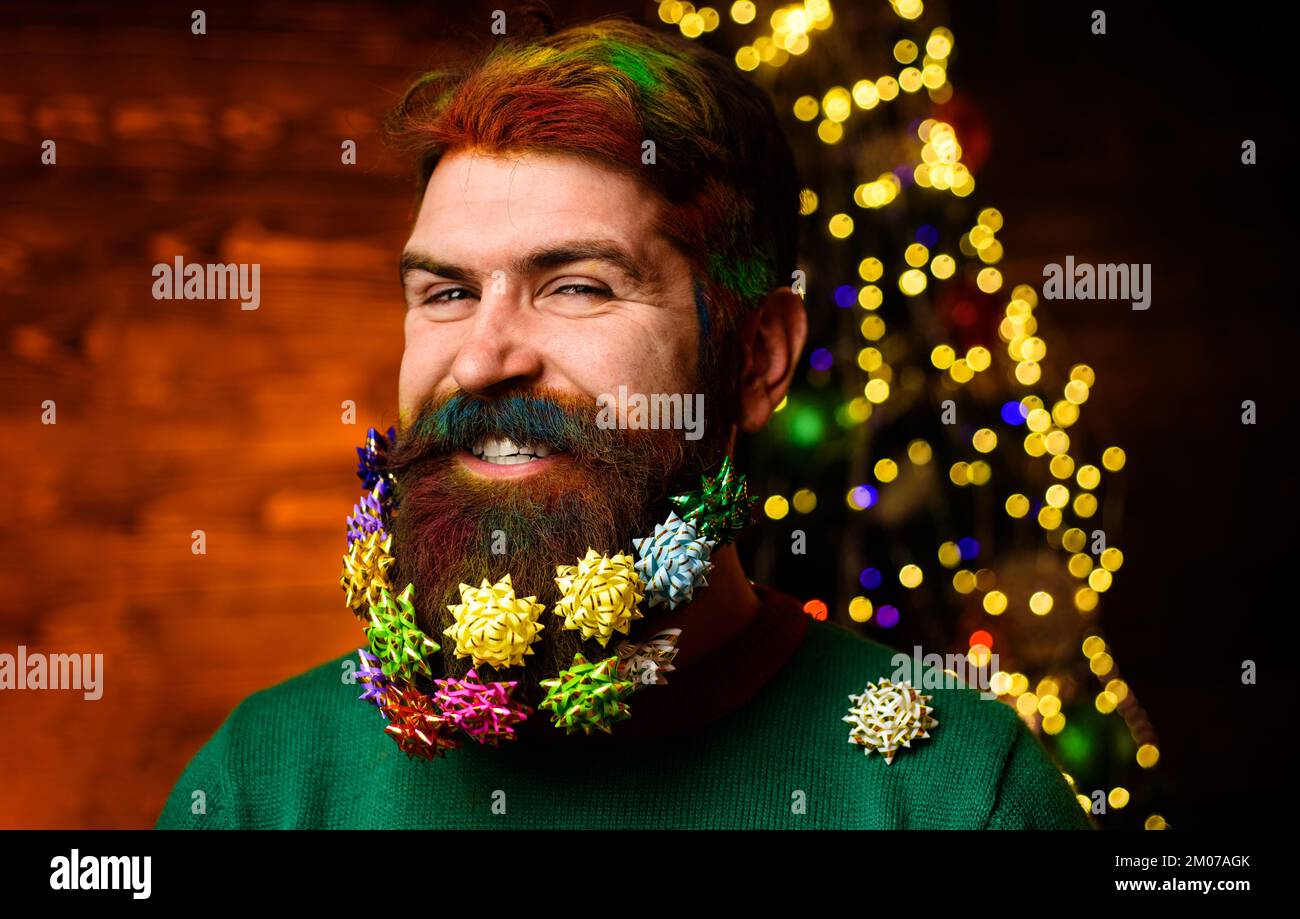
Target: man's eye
pixel 442 295
pixel 584 289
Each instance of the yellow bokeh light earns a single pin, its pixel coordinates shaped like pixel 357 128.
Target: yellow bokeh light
pixel 805 500
pixel 1084 374
pixel 860 609
pixel 748 58
pixel 910 576
pixel 990 219
pixel 870 359
pixel 776 507
pixel 841 226
pixel 939 44
pixel 870 269
pixel 1105 702
pixel 912 282
pixel 671 11
pixel 995 603
pixel 886 470
pixel 1028 372
pixel 837 103
pixel 1147 755
pixel 743 12
pixel 865 94
pixel 1101 664
pixel 830 132
pixel 1040 603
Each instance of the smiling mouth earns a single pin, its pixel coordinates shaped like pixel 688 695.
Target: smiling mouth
pixel 501 451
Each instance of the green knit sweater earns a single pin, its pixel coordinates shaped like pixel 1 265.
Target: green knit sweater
pixel 761 745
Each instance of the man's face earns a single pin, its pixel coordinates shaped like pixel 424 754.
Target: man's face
pixel 535 285
pixel 542 271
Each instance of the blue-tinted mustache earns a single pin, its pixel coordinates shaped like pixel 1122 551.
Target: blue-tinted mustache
pixel 461 421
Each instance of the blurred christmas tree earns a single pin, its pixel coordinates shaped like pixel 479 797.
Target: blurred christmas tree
pixel 930 449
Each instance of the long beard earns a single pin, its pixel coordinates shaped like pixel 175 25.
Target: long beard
pixel 454 527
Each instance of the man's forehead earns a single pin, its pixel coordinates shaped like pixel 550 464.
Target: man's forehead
pixel 489 204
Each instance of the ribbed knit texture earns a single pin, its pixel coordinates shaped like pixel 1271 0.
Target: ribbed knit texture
pixel 756 744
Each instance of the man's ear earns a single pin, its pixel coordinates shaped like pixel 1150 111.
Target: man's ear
pixel 773 339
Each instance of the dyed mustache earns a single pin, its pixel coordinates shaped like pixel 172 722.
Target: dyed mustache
pixel 461 421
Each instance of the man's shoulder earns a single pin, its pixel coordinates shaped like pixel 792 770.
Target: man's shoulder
pixel 317 688
pixel 979 765
pixel 853 659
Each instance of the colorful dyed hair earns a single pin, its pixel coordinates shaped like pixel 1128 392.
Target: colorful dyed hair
pixel 598 91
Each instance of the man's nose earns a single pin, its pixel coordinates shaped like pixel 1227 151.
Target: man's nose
pixel 499 350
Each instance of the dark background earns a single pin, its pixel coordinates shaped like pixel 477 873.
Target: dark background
pixel 175 416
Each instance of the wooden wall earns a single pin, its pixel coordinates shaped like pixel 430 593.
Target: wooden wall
pixel 180 415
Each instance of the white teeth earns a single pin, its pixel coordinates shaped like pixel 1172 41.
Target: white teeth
pixel 505 452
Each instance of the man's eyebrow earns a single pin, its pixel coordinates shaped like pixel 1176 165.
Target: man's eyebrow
pixel 415 260
pixel 598 250
pixel 595 250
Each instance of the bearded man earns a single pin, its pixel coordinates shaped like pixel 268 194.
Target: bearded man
pixel 560 631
